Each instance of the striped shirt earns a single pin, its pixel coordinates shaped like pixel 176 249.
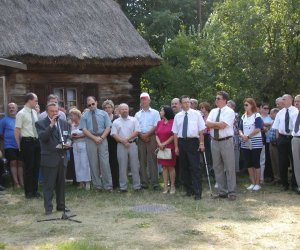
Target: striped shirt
pixel 247 125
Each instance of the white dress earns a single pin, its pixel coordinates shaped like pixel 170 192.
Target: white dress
pixel 82 166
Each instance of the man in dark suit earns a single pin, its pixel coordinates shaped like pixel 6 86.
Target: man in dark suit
pixel 54 139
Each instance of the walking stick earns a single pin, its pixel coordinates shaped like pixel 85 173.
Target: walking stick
pixel 205 162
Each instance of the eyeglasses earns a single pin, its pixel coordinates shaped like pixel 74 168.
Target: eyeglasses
pixel 246 105
pixel 266 108
pixel 92 104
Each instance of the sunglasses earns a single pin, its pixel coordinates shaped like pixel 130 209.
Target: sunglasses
pixel 92 104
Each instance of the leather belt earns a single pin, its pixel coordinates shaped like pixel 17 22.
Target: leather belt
pixel 188 138
pixel 132 141
pixel 286 136
pixel 222 139
pixel 29 139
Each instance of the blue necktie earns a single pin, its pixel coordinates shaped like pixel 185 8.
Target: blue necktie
pixel 216 131
pixel 287 121
pixel 185 125
pixel 297 124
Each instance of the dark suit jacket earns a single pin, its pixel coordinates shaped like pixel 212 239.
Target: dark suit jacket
pixel 49 139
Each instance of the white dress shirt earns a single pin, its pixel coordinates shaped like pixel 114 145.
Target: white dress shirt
pixel 279 122
pixel 293 119
pixel 195 123
pixel 227 115
pixel 125 127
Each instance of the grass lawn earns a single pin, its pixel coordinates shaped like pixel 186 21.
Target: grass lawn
pixel 268 219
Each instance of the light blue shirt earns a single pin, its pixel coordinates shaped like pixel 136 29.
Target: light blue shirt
pixel 267 119
pixel 102 119
pixel 147 119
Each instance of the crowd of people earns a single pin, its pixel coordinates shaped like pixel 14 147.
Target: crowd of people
pixel 182 138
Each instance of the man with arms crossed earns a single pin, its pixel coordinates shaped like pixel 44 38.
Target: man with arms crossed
pixel 220 121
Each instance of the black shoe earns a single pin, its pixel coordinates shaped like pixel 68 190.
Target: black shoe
pixel 2 188
pixel 222 196
pixel 197 197
pixel 189 194
pixel 29 196
pixel 138 190
pixel 123 190
pixel 285 188
pixel 156 188
pixel 145 187
pixel 61 209
pixel 48 212
pixel 36 195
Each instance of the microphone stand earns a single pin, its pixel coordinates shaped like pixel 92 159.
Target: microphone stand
pixel 64 216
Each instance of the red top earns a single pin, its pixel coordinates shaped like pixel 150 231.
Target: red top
pixel 164 132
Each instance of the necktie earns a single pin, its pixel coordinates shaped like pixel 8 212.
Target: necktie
pixel 94 122
pixel 287 121
pixel 33 125
pixel 297 124
pixel 185 125
pixel 216 131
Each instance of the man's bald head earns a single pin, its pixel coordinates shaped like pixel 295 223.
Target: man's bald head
pixel 12 109
pixel 176 105
pixel 287 100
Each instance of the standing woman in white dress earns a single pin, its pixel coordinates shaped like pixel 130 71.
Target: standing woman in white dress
pixel 82 167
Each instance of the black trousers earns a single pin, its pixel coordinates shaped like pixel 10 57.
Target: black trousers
pixel 268 166
pixel 54 179
pixel 31 155
pixel 285 160
pixel 189 162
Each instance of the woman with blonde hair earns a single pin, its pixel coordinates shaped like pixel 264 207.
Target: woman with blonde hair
pixel 82 167
pixel 250 128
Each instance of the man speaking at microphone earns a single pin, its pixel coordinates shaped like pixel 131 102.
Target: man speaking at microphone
pixel 54 139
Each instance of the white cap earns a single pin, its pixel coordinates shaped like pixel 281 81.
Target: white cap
pixel 144 94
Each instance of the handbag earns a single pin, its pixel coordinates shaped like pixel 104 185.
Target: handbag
pixel 164 154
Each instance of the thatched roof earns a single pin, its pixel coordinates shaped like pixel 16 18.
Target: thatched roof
pixel 68 31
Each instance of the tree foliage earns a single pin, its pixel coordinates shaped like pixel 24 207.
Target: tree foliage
pixel 250 48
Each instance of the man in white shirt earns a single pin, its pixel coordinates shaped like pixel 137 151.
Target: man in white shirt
pixel 188 139
pixel 283 125
pixel 148 119
pixel 220 121
pixel 295 118
pixel 125 130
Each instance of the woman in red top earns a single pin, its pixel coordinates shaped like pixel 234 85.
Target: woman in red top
pixel 165 139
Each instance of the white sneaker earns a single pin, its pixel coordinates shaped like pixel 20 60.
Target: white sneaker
pixel 87 186
pixel 250 187
pixel 216 185
pixel 257 187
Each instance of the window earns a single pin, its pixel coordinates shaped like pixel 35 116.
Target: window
pixel 67 97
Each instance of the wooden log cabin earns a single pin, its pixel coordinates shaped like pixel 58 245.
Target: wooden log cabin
pixel 72 48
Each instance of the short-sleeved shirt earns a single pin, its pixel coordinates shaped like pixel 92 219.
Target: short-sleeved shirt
pixel 195 123
pixel 164 132
pixel 248 124
pixel 124 127
pixel 267 119
pixel 102 119
pixel 227 116
pixel 7 127
pixel 293 119
pixel 61 114
pixel 147 119
pixel 279 122
pixel 25 123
